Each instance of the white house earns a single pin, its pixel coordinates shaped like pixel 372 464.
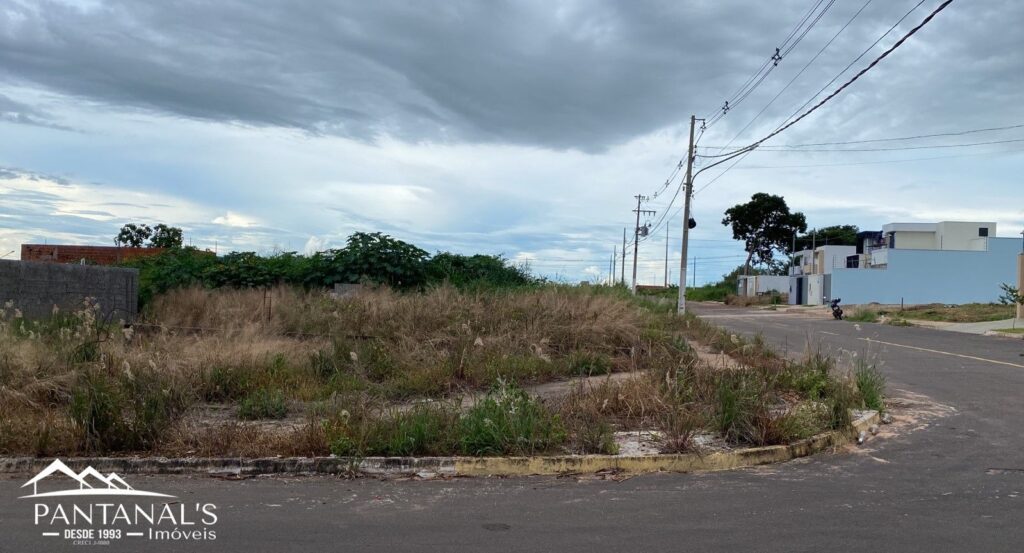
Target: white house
pixel 757 285
pixel 951 262
pixel 808 280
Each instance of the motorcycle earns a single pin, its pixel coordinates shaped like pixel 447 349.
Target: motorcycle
pixel 837 312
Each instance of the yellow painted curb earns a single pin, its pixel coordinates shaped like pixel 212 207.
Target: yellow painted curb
pixel 455 466
pixel 687 462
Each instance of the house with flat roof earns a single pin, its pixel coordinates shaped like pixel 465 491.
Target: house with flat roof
pixel 951 262
pixel 810 270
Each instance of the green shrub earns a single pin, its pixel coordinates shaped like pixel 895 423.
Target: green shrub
pixel 124 413
pixel 583 363
pixel 467 271
pixel 422 430
pixel 870 383
pixel 96 406
pixel 810 377
pixel 263 404
pixel 595 437
pixel 509 422
pixel 226 383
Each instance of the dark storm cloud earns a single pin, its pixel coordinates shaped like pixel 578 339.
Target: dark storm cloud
pixel 554 74
pixel 565 75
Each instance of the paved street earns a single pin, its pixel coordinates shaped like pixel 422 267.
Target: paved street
pixel 950 483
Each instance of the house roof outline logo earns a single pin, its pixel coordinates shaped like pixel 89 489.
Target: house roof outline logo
pixel 114 484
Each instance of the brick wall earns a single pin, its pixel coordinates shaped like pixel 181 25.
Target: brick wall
pixel 98 255
pixel 36 287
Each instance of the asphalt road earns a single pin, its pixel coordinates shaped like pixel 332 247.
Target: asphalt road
pixel 954 482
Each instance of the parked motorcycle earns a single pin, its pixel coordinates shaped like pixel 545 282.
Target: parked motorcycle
pixel 837 312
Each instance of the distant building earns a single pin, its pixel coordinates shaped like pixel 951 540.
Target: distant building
pixel 952 262
pixel 809 282
pixel 90 255
pixel 760 285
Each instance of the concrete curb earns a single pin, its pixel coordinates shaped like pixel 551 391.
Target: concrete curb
pixel 453 466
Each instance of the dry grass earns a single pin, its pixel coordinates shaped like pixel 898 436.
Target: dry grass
pixel 340 368
pixel 967 313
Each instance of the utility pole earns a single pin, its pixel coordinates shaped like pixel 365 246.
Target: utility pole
pixel 694 271
pixel 636 234
pixel 623 279
pixel 681 306
pixel 814 251
pixel 666 254
pixel 611 265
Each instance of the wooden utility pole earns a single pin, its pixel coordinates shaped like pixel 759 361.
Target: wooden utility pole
pixel 688 194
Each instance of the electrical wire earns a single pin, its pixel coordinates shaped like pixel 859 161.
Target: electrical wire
pixel 864 53
pixel 801 72
pixel 889 139
pixel 755 80
pixel 894 149
pixel 787 124
pixel 877 162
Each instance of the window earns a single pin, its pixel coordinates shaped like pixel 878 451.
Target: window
pixel 983 231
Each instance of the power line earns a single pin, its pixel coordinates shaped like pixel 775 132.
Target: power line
pixel 878 162
pixel 890 139
pixel 866 50
pixel 801 72
pixel 755 80
pixel 786 125
pixel 895 149
pixel 744 91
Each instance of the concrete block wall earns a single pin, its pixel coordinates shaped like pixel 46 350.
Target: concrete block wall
pixel 36 287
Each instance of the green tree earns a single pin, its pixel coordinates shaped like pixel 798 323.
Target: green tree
pixel 165 237
pixel 380 258
pixel 1011 295
pixel 765 225
pixel 471 270
pixel 133 235
pixel 836 235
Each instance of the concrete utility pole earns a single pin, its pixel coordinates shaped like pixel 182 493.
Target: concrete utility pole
pixel 681 306
pixel 615 259
pixel 666 254
pixel 623 279
pixel 814 251
pixel 694 271
pixel 1020 276
pixel 636 234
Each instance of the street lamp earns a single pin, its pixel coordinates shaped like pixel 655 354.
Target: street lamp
pixel 12 251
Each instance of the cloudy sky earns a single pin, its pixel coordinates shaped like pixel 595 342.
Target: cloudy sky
pixel 516 127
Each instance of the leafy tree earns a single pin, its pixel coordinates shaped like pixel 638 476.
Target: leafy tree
pixel 382 259
pixel 765 225
pixel 836 235
pixel 175 268
pixel 133 235
pixel 473 270
pixel 1011 295
pixel 165 237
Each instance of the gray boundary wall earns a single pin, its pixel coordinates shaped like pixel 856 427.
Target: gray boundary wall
pixel 36 287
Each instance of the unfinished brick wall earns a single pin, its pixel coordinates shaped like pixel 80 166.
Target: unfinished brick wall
pixel 36 287
pixel 97 255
